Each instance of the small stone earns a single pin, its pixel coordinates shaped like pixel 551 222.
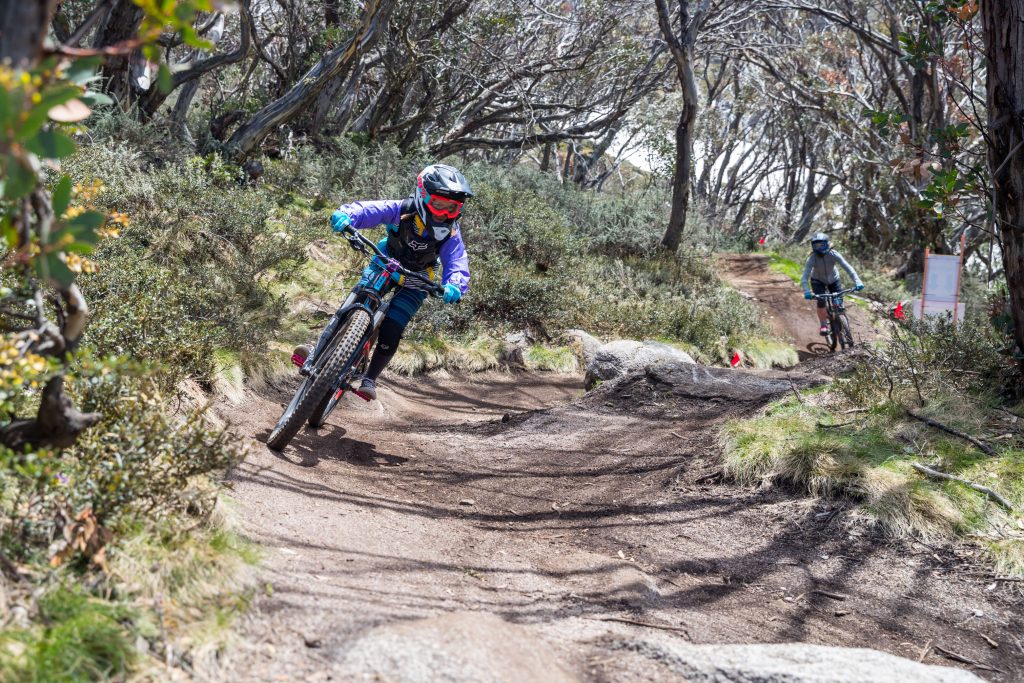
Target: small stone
pixel 467 501
pixel 312 642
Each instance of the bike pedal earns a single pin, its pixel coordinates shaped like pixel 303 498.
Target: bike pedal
pixel 298 361
pixel 362 395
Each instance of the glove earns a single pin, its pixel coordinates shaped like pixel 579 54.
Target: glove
pixel 452 293
pixel 858 287
pixel 808 296
pixel 340 220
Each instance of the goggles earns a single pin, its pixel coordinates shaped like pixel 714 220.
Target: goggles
pixel 443 207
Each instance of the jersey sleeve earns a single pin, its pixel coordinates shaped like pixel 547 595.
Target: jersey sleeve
pixel 805 280
pixel 370 214
pixel 455 262
pixel 847 267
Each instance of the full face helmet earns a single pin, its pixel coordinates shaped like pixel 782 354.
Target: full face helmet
pixel 439 194
pixel 820 243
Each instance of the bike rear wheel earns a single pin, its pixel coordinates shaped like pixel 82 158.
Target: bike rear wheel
pixel 317 390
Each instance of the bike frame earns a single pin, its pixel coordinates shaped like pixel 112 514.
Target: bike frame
pixel 371 297
pixel 830 301
pixel 833 311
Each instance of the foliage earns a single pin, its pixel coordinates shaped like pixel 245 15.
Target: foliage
pixel 78 638
pixel 814 447
pixel 940 371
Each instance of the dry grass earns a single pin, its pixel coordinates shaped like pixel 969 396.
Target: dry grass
pixel 869 462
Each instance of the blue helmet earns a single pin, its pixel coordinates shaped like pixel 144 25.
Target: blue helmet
pixel 820 243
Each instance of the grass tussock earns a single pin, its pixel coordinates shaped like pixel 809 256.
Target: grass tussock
pixel 561 359
pixel 419 356
pixel 766 353
pixel 815 447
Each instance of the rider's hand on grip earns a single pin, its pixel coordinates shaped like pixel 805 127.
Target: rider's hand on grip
pixel 340 221
pixel 808 296
pixel 452 293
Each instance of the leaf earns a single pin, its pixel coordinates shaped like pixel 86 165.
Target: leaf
pixel 50 267
pixel 20 178
pixel 37 114
pixel 86 221
pixel 62 195
pixel 93 98
pixel 71 111
pixel 51 144
pixel 164 79
pixel 82 71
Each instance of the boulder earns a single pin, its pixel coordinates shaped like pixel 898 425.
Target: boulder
pixel 515 346
pixel 783 663
pixel 585 345
pixel 688 380
pixel 462 647
pixel 620 357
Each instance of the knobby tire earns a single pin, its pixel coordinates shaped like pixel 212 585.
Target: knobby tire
pixel 326 406
pixel 845 333
pixel 327 377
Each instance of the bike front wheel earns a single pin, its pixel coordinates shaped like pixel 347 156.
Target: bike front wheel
pixel 316 391
pixel 843 332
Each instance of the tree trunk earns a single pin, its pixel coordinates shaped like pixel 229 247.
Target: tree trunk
pixel 681 45
pixel 1003 30
pixel 121 24
pixel 681 179
pixel 23 25
pixel 333 65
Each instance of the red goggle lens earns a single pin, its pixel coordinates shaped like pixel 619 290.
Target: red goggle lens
pixel 444 207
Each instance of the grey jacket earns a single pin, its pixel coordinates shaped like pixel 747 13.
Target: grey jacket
pixel 822 268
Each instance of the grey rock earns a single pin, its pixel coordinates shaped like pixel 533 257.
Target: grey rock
pixel 688 380
pixel 584 344
pixel 515 346
pixel 788 663
pixel 462 647
pixel 622 356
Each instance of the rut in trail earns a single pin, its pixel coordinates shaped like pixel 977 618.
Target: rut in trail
pixel 588 537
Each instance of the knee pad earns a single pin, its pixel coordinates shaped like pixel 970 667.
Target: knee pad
pixel 389 335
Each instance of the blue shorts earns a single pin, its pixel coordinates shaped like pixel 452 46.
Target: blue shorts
pixel 404 303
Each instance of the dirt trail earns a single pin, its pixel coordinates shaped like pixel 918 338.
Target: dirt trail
pixel 586 522
pixel 782 303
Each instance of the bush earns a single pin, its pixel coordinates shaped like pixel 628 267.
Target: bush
pixel 935 357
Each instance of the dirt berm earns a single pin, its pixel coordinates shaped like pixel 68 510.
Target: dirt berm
pixel 508 528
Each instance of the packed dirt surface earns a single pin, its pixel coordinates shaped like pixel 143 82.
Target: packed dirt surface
pixel 508 528
pixel 783 305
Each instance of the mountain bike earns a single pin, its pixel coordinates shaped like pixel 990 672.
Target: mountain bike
pixel 839 332
pixel 342 352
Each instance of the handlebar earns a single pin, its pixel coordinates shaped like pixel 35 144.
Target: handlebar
pixel 834 295
pixel 360 244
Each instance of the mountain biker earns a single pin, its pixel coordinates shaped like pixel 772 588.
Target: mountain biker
pixel 823 275
pixel 421 230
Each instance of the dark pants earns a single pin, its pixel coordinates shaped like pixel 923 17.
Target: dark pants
pixel 821 288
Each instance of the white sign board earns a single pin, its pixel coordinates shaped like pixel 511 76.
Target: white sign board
pixel 940 291
pixel 936 309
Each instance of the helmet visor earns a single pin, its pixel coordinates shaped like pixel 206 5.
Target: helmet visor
pixel 820 246
pixel 443 207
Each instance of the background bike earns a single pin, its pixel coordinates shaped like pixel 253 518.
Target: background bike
pixel 839 333
pixel 341 354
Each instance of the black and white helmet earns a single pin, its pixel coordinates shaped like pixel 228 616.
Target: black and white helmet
pixel 442 182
